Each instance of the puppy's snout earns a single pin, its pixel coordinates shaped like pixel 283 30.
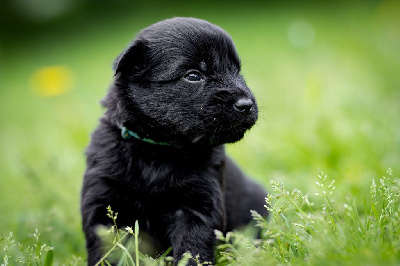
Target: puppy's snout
pixel 243 105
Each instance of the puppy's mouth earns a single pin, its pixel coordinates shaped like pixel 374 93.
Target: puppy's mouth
pixel 229 123
pixel 230 133
pixel 223 131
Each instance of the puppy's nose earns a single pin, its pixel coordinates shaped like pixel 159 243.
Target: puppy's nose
pixel 243 105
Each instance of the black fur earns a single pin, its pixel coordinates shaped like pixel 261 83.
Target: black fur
pixel 178 82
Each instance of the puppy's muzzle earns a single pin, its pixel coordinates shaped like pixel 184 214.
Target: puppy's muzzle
pixel 243 106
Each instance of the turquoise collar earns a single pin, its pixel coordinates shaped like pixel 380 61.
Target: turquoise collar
pixel 127 134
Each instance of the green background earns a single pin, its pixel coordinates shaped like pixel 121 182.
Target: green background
pixel 326 75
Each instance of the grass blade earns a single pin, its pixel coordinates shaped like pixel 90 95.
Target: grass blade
pixel 49 258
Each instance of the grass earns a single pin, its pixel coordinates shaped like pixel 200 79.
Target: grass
pixel 300 231
pixel 329 101
pixel 325 231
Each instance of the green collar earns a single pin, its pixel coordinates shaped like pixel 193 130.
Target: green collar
pixel 127 134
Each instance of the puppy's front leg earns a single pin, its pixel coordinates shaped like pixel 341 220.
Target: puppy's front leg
pixel 193 231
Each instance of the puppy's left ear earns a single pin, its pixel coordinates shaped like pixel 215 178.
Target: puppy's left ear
pixel 132 60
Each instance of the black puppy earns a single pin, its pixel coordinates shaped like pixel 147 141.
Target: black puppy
pixel 158 155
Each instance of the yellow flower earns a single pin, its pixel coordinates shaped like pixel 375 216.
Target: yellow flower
pixel 52 81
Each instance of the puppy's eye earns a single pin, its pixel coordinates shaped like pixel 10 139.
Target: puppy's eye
pixel 193 76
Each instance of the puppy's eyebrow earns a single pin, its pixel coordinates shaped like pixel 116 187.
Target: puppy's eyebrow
pixel 203 66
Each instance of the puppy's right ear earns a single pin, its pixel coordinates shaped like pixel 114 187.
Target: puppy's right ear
pixel 132 60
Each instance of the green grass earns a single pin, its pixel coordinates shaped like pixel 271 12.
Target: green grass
pixel 331 104
pixel 303 229
pixel 328 230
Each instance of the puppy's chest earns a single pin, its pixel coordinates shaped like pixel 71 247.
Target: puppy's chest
pixel 158 183
pixel 163 170
pixel 160 176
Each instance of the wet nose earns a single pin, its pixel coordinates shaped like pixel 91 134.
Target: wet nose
pixel 243 105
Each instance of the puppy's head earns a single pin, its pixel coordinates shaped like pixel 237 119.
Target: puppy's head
pixel 179 82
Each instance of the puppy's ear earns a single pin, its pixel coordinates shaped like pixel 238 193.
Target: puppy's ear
pixel 132 60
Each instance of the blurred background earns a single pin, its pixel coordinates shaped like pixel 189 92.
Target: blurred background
pixel 326 75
